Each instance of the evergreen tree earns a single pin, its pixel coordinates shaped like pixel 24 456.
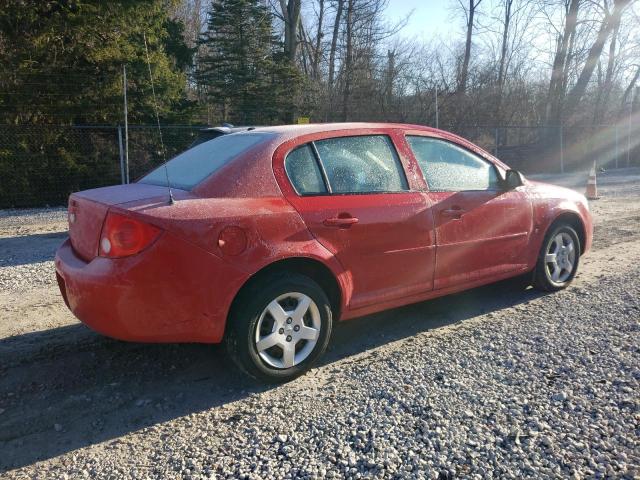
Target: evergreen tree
pixel 62 65
pixel 242 65
pixel 62 60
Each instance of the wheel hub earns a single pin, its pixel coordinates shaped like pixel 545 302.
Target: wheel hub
pixel 288 330
pixel 560 258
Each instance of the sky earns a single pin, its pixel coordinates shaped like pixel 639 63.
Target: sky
pixel 429 18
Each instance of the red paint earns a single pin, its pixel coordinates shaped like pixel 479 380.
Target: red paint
pixel 232 240
pixel 389 252
pixel 384 250
pixel 498 223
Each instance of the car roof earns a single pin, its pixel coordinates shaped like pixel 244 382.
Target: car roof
pixel 310 128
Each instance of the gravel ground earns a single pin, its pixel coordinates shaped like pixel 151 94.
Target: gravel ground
pixel 27 240
pixel 496 382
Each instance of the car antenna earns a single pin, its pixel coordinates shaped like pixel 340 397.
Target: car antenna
pixel 155 107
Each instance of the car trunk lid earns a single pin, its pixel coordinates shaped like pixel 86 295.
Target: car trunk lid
pixel 88 209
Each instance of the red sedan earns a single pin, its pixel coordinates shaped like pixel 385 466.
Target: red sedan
pixel 267 236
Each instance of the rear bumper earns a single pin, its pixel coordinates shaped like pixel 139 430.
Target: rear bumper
pixel 171 292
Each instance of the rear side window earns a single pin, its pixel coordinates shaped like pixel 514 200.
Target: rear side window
pixel 194 165
pixel 363 164
pixel 303 171
pixel 447 167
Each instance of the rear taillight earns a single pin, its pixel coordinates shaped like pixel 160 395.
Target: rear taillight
pixel 71 212
pixel 123 236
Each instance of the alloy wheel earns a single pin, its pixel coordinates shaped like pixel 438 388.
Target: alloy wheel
pixel 287 330
pixel 560 259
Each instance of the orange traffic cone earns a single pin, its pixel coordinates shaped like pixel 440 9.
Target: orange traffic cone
pixel 592 188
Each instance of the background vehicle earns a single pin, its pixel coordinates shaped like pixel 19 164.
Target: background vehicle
pixel 209 133
pixel 277 232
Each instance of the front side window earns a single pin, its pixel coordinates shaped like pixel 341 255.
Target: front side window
pixel 192 166
pixel 303 171
pixel 449 168
pixel 362 164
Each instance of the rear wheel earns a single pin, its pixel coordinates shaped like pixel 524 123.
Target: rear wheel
pixel 558 259
pixel 279 327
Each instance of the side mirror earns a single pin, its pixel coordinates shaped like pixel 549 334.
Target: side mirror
pixel 513 179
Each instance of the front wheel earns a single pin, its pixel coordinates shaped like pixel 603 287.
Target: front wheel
pixel 280 327
pixel 558 259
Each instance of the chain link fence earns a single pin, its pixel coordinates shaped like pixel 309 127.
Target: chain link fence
pixel 41 165
pixel 558 149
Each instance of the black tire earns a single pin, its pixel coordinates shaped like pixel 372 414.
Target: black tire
pixel 244 319
pixel 542 277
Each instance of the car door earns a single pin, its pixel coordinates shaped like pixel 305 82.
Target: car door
pixel 482 229
pixel 354 197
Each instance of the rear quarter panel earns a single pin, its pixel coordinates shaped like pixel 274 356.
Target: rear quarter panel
pixel 273 229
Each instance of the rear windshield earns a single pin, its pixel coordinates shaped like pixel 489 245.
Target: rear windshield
pixel 194 165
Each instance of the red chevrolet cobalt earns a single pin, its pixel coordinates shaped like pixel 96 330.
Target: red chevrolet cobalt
pixel 263 238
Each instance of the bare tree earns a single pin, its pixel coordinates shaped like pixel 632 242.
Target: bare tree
pixel 192 14
pixel 606 84
pixel 470 13
pixel 559 70
pixel 348 61
pixel 505 37
pixel 334 42
pixel 609 24
pixel 507 6
pixel 628 91
pixel 357 67
pixel 317 50
pixel 290 10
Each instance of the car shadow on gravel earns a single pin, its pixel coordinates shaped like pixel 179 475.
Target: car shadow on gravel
pixel 69 388
pixel 27 249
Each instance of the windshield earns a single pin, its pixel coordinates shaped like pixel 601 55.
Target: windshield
pixel 195 164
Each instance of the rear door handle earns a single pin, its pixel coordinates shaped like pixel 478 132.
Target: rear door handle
pixel 455 213
pixel 340 222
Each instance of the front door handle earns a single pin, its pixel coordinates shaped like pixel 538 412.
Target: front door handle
pixel 340 222
pixel 455 213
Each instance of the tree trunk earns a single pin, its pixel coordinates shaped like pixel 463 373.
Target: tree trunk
pixel 334 43
pixel 387 92
pixel 291 14
pixel 559 70
pixel 306 54
pixel 503 57
pixel 505 42
pixel 605 90
pixel 464 74
pixel 628 91
pixel 609 24
pixel 317 53
pixel 348 63
pixel 608 79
